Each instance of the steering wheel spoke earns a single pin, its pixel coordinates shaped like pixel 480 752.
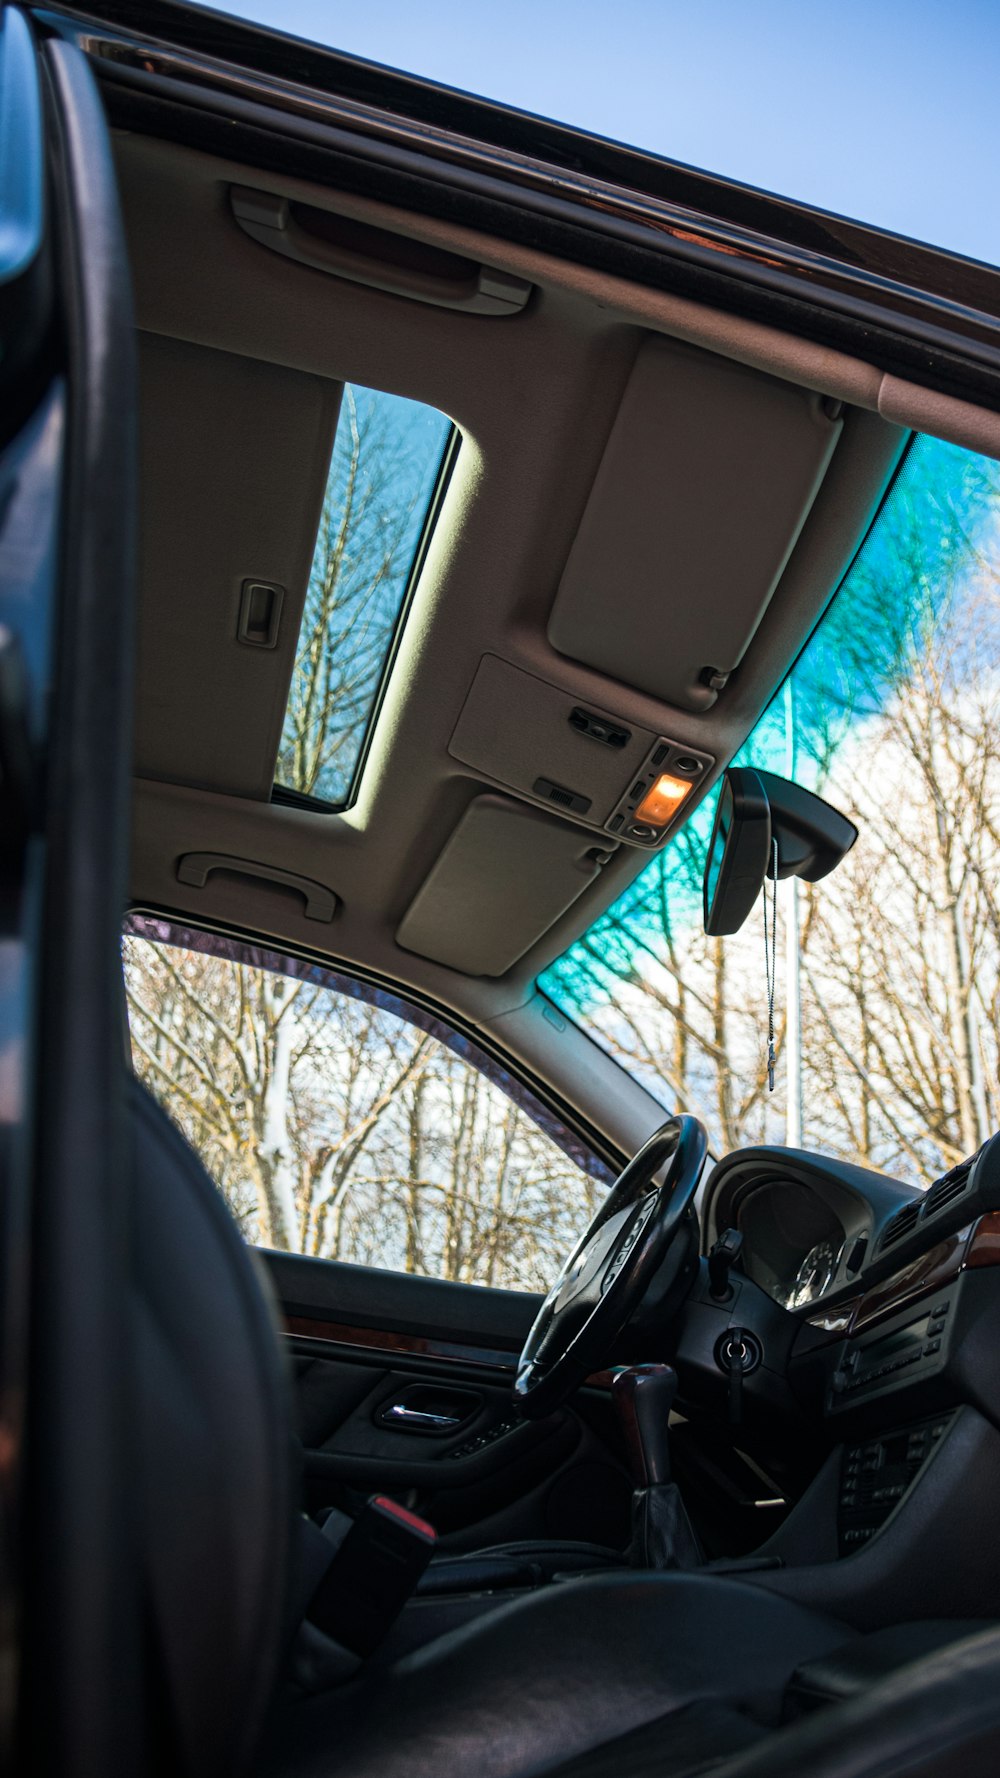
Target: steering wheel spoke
pixel 610 1269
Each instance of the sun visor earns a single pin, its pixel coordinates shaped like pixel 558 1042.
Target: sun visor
pixel 706 481
pixel 505 876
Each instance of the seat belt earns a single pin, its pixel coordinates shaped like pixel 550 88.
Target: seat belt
pixel 355 1576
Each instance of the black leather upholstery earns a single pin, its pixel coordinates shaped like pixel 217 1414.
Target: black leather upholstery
pixel 855 1667
pixel 214 1460
pixel 551 1675
pixel 938 1717
pixel 935 1718
pixel 685 1744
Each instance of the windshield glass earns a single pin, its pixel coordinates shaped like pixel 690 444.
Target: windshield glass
pixel 888 990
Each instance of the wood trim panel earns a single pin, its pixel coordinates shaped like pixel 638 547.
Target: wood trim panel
pixel 929 1271
pixel 380 1339
pixel 970 1249
pixel 835 1322
pixel 984 1248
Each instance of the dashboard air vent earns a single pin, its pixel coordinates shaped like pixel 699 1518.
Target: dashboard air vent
pixel 949 1187
pixel 901 1224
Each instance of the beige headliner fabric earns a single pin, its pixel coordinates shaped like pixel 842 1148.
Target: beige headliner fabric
pixel 259 346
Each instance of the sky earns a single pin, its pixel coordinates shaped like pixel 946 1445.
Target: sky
pixel 886 110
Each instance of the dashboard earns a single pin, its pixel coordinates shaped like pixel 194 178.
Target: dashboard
pixel 800 1244
pixel 819 1232
pixel 845 1349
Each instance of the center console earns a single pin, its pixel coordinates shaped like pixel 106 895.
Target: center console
pixel 877 1474
pixel 880 1374
pixel 910 1348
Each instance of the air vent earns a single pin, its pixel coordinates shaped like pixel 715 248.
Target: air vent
pixel 901 1224
pixel 948 1187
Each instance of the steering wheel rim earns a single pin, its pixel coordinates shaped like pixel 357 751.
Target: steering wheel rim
pixel 611 1267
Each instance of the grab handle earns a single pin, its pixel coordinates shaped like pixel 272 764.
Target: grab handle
pixel 196 868
pixel 348 249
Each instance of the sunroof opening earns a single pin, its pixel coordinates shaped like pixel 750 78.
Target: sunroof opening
pixel 387 469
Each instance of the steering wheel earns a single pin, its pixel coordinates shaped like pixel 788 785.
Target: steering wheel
pixel 611 1268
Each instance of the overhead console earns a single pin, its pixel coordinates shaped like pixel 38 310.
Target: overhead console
pixel 706 481
pixel 542 742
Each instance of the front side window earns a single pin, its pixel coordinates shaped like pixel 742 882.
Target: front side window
pixel 335 1124
pixel 888 1002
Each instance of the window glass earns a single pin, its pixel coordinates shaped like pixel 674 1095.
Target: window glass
pixel 387 460
pixel 339 1122
pixel 888 990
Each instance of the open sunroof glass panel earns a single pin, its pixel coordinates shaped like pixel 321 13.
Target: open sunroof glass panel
pixel 388 459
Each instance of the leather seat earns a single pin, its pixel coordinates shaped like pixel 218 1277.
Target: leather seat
pixel 610 1673
pixel 552 1675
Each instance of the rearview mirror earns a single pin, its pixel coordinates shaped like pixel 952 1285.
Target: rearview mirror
pixel 755 809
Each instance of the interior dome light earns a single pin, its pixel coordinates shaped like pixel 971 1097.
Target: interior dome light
pixel 662 800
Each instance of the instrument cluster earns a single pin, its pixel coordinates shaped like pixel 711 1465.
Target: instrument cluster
pixel 796 1246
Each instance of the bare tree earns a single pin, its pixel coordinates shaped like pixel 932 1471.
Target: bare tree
pixel 379 482
pixel 336 1128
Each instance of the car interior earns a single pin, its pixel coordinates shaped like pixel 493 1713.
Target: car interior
pixel 718 1493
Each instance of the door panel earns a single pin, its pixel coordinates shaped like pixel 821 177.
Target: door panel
pixel 466 1320
pixel 363 1342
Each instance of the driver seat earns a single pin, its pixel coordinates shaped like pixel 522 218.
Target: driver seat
pixel 646 1673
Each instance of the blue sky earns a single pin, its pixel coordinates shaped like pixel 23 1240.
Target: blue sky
pixel 882 109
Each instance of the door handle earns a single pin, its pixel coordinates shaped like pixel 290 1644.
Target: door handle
pixel 405 1416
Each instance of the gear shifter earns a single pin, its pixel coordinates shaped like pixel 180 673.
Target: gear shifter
pixel 644 1395
pixel 662 1536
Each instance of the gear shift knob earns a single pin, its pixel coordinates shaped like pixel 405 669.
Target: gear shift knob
pixel 643 1396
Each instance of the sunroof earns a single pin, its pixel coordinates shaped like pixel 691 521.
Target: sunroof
pixel 387 465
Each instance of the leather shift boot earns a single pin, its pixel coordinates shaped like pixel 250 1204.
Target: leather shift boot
pixel 662 1535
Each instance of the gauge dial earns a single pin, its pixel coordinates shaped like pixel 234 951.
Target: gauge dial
pixel 814 1276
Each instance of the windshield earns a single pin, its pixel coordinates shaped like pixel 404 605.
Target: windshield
pixel 888 990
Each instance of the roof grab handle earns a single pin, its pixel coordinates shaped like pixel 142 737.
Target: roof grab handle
pixel 196 868
pixel 346 248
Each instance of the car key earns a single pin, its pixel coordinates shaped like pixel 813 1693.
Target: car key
pixel 737 1353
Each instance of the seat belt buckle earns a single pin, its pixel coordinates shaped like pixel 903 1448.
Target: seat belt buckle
pixel 373 1573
